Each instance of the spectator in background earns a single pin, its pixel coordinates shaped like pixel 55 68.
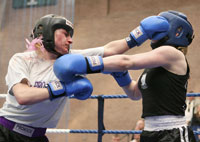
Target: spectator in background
pixel 139 126
pixel 195 122
pixel 190 102
pixel 115 138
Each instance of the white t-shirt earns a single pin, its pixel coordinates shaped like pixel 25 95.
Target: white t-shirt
pixel 38 72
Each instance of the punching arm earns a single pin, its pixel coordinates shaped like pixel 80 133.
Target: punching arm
pixel 67 67
pixel 77 64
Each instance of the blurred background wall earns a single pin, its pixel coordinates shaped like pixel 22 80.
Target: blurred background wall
pixel 96 22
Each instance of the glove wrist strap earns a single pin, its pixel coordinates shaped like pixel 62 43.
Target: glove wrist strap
pixel 94 64
pixel 123 79
pixel 55 90
pixel 131 42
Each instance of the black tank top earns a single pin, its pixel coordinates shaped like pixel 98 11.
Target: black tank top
pixel 163 92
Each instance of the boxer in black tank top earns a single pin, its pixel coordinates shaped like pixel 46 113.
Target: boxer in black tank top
pixel 163 84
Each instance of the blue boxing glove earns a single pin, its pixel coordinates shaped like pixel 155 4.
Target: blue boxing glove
pixel 122 78
pixel 80 87
pixel 153 27
pixel 68 66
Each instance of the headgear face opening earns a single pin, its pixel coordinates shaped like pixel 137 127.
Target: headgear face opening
pixel 180 33
pixel 46 27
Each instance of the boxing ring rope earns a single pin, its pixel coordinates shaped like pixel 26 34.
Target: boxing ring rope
pixel 101 128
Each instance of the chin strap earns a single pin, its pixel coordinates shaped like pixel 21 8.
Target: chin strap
pixel 50 48
pixel 56 53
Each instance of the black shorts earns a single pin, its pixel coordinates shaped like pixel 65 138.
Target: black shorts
pixel 7 135
pixel 185 134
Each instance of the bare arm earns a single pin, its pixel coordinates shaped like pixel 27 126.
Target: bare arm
pixel 26 95
pixel 132 91
pixel 167 57
pixel 115 47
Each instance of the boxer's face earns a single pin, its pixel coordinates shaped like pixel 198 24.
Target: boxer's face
pixel 62 41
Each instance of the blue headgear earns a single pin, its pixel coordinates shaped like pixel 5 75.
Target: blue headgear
pixel 180 33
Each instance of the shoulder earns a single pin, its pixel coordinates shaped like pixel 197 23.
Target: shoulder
pixel 25 54
pixel 24 57
pixel 174 60
pixel 166 49
pixel 169 53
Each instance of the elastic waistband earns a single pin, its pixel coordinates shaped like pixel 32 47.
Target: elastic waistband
pixel 22 129
pixel 158 123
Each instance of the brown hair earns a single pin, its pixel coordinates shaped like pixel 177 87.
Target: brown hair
pixel 183 49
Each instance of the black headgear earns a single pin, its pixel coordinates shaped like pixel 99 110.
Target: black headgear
pixel 180 33
pixel 46 27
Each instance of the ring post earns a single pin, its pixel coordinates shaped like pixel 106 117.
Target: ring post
pixel 100 117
